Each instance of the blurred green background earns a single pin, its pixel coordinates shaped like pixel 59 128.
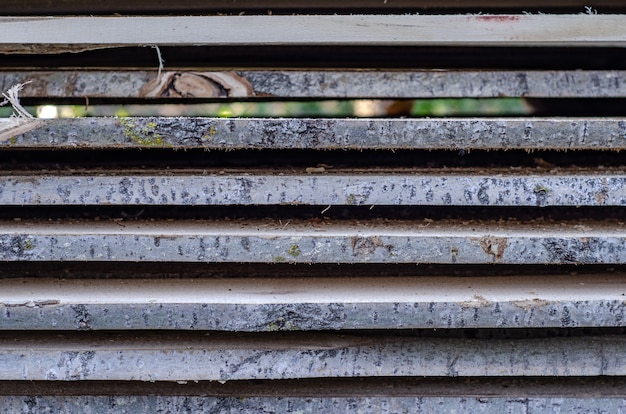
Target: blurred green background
pixel 337 108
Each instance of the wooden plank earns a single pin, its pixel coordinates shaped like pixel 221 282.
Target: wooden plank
pixel 372 403
pixel 328 303
pixel 58 34
pixel 328 133
pixel 122 84
pixel 316 241
pixel 191 356
pixel 321 186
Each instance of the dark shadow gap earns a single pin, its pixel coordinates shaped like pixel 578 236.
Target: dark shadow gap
pixel 154 270
pixel 324 57
pixel 186 7
pixel 528 387
pixel 342 214
pixel 296 161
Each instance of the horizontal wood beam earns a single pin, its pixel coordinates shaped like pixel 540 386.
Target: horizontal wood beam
pixel 316 241
pixel 321 186
pixel 124 84
pixel 63 34
pixel 328 133
pixel 222 357
pixel 248 405
pixel 329 303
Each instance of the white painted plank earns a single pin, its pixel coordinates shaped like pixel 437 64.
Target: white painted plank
pixel 20 34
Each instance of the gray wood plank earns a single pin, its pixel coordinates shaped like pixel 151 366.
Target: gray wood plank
pixel 224 357
pixel 322 186
pixel 302 304
pixel 206 85
pixel 329 133
pixel 147 404
pixel 277 241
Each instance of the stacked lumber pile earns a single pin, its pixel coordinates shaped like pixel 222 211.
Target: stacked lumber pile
pixel 392 263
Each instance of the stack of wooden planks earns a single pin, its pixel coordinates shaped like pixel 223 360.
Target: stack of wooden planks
pixel 425 262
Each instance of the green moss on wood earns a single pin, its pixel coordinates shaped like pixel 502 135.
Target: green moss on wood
pixel 145 136
pixel 294 250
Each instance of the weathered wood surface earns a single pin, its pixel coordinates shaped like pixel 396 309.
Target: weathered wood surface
pixel 363 395
pixel 316 241
pixel 223 357
pixel 62 34
pixel 147 404
pixel 328 133
pixel 322 186
pixel 317 84
pixel 328 303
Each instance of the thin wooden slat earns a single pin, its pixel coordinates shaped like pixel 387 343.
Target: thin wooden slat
pixel 157 403
pixel 316 241
pixel 329 303
pixel 317 84
pixel 218 356
pixel 58 34
pixel 321 187
pixel 329 133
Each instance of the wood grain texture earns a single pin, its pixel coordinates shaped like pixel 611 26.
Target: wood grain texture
pixel 63 34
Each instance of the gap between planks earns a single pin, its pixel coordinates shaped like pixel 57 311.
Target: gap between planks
pixel 45 7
